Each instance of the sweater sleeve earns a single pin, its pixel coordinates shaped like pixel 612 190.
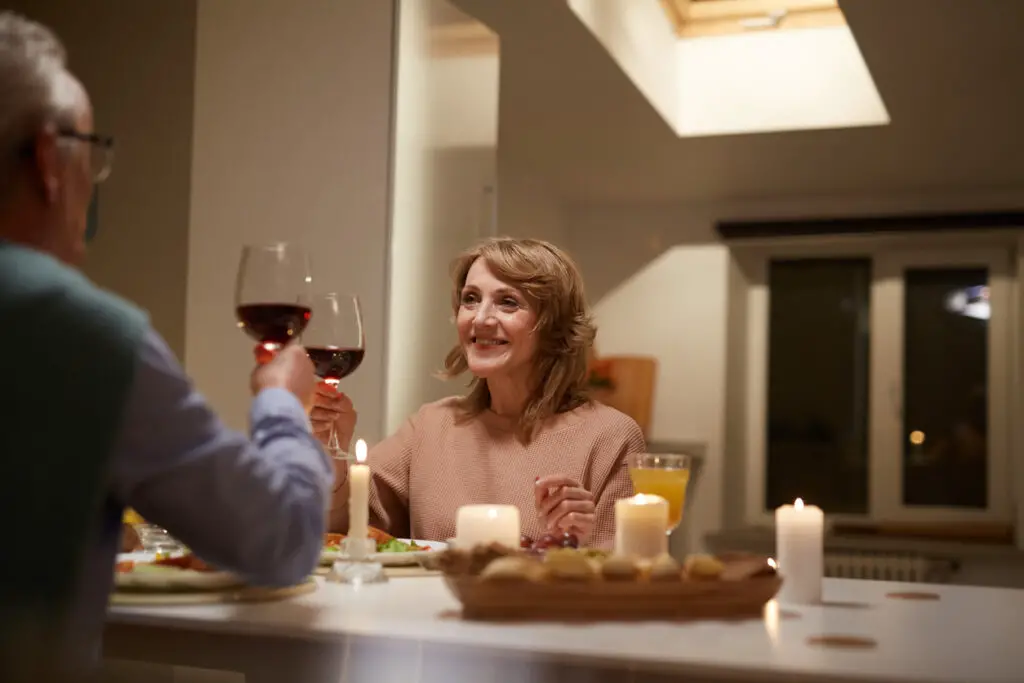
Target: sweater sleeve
pixel 620 444
pixel 389 486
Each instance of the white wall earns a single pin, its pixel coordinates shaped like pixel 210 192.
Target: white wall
pixel 145 102
pixel 293 103
pixel 446 122
pixel 411 205
pixel 660 280
pixel 526 208
pixel 640 38
pixel 463 102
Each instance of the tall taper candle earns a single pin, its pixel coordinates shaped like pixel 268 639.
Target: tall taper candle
pixel 358 503
pixel 800 551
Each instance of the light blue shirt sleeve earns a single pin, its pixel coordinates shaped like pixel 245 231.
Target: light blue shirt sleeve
pixel 254 506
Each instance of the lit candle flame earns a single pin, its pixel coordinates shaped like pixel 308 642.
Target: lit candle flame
pixel 799 504
pixel 772 563
pixel 646 499
pixel 360 451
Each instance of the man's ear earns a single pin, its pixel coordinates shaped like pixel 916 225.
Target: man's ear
pixel 45 163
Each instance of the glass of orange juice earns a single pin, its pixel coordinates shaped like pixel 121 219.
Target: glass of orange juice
pixel 666 475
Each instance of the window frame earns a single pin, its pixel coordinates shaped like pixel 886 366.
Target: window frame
pixel 890 254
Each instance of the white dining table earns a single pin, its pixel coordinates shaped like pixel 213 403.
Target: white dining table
pixel 409 630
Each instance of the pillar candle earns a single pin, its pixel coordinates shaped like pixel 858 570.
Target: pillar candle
pixel 358 503
pixel 483 524
pixel 641 526
pixel 800 550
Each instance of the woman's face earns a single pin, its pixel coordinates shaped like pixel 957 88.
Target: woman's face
pixel 496 326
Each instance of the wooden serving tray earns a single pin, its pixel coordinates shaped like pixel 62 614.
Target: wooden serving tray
pixel 600 600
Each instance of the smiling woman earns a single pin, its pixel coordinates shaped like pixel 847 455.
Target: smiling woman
pixel 524 331
pixel 526 433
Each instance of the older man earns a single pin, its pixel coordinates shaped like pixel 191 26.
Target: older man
pixel 96 412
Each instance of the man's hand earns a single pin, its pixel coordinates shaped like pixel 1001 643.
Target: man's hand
pixel 289 369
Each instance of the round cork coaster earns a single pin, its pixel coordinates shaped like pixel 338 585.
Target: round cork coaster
pixel 913 595
pixel 841 642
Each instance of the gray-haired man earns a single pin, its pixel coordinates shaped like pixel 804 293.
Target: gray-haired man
pixel 97 414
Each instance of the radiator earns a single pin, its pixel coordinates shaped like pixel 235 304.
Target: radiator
pixel 882 566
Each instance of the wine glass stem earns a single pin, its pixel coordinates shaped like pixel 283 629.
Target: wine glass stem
pixel 333 447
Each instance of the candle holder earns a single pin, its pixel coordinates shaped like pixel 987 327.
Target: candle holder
pixel 356 565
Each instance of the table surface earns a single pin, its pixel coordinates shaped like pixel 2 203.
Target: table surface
pixel 968 634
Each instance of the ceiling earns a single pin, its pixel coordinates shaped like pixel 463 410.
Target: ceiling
pixel 951 73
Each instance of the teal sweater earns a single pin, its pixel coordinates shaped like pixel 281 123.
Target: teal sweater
pixel 67 357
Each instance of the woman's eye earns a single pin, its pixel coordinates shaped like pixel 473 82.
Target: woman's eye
pixel 468 299
pixel 509 303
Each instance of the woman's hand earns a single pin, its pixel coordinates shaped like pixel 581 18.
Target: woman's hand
pixel 333 408
pixel 564 506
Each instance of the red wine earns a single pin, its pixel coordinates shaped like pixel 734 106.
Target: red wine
pixel 273 323
pixel 332 362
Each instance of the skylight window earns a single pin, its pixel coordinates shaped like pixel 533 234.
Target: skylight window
pixel 726 67
pixel 697 18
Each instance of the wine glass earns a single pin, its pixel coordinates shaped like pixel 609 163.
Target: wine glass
pixel 272 293
pixel 666 475
pixel 335 343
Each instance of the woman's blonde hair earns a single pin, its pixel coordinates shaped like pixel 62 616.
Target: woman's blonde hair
pixel 553 287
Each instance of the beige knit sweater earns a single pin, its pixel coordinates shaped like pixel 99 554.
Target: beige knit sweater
pixel 431 466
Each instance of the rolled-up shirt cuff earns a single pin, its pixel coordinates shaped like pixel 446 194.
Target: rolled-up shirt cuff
pixel 281 403
pixel 276 413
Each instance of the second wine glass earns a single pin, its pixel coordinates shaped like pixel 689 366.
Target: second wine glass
pixel 335 343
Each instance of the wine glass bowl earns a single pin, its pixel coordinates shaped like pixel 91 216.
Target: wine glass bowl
pixel 272 293
pixel 333 364
pixel 666 475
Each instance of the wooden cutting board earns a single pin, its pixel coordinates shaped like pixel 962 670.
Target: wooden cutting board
pixel 243 594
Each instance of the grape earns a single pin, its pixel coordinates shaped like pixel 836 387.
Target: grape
pixel 547 541
pixel 525 542
pixel 569 540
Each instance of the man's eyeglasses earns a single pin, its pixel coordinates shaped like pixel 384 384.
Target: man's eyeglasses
pixel 101 152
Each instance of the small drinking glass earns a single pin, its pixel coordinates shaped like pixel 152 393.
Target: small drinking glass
pixel 156 540
pixel 666 475
pixel 153 539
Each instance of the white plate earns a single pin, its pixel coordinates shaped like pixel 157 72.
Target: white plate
pixel 169 578
pixel 328 557
pixel 143 556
